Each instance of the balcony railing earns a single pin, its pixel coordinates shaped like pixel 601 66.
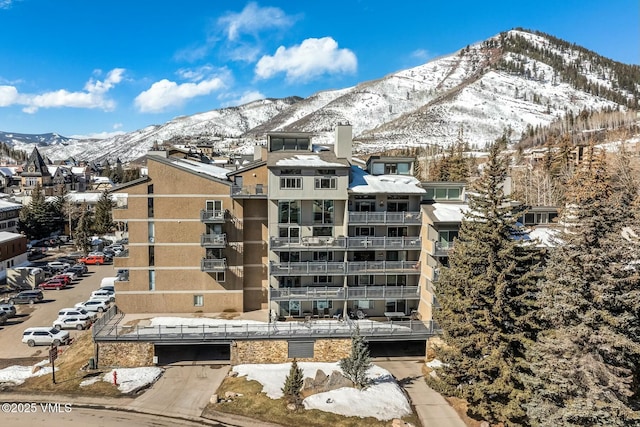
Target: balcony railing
pixel 443 248
pixel 384 243
pixel 385 218
pixel 212 216
pixel 341 293
pixel 249 191
pixel 313 268
pixel 213 240
pixel 314 242
pixel 213 264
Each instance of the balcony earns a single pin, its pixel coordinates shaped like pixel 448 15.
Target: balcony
pixel 258 191
pixel 443 248
pixel 213 264
pixel 341 293
pixel 311 242
pixel 384 243
pixel 385 218
pixel 209 216
pixel 213 240
pixel 315 268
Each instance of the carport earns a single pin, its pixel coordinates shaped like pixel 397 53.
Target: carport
pixel 408 348
pixel 193 354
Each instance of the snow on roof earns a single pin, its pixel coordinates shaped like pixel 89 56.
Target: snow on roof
pixel 449 212
pixel 383 399
pixel 203 168
pixel 305 160
pixel 102 180
pixel 7 171
pixel 7 235
pixel 363 182
pixel 78 170
pixel 83 197
pixel 9 206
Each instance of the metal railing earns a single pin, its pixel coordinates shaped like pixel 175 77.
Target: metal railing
pixel 351 267
pixel 213 264
pixel 385 217
pixel 249 191
pixel 443 248
pixel 384 243
pixel 100 324
pixel 212 216
pixel 391 330
pixel 308 241
pixel 342 293
pixel 213 239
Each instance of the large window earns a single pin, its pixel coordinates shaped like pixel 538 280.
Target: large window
pixel 323 256
pixel 289 212
pixel 289 143
pixel 323 211
pixel 445 238
pixel 289 256
pixel 152 280
pixel 329 183
pixel 322 231
pixel 290 183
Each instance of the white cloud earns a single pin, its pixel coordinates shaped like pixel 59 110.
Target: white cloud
pixel 312 58
pixel 195 74
pixel 117 125
pixel 165 94
pixel 421 54
pixel 5 4
pixel 253 19
pixel 93 95
pixel 246 97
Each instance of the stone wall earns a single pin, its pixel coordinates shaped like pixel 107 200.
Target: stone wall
pixel 125 354
pixel 256 351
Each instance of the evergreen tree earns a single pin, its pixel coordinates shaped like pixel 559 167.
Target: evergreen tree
pixel 487 296
pixel 586 363
pixel 82 234
pixel 103 220
pixel 293 384
pixel 355 366
pixel 38 219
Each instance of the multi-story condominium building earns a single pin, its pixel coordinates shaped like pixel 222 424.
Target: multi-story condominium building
pixel 300 231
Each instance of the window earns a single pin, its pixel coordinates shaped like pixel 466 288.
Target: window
pixel 364 304
pixel 323 211
pixel 445 238
pixel 152 280
pixel 289 282
pixel 321 280
pixel 290 183
pixel 152 232
pixel 290 232
pixel 150 207
pixel 323 256
pixel 152 257
pixel 322 304
pixel 396 280
pixel 290 257
pixel 291 172
pixel 444 193
pixel 322 231
pixel 365 231
pixel 150 189
pixel 364 280
pixel 325 172
pixel 198 300
pixel 326 183
pixel 213 205
pixel 220 276
pixel 289 212
pixel 397 206
pixel 397 232
pixel 404 168
pixel 214 253
pixel 279 143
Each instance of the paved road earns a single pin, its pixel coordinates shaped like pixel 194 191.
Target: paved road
pixel 44 313
pixel 431 407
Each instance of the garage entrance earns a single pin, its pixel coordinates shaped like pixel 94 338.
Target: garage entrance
pixel 193 354
pixel 398 348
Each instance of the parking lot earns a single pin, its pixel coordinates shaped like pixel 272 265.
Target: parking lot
pixel 45 312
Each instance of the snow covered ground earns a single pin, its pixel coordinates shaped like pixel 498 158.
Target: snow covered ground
pixel 16 375
pixel 129 379
pixel 383 399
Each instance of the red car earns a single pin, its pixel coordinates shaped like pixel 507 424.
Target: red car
pixel 53 284
pixel 62 277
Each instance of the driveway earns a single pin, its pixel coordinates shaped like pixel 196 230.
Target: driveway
pixel 431 407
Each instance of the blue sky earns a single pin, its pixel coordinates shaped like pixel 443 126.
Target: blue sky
pixel 91 67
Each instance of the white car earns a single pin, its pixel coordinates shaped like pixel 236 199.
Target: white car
pixel 71 312
pixel 58 265
pixel 44 336
pixel 72 322
pixel 73 276
pixel 103 294
pixel 94 305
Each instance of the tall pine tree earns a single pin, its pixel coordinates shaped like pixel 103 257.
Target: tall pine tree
pixel 586 363
pixel 82 234
pixel 103 220
pixel 355 366
pixel 488 302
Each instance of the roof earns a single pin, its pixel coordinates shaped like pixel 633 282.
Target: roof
pixel 128 184
pixel 364 183
pixel 6 206
pixel 305 159
pixel 448 212
pixel 248 167
pixel 92 197
pixel 201 168
pixel 6 236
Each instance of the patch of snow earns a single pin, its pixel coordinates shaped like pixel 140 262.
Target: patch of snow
pixel 449 212
pixel 383 399
pixel 130 379
pixel 16 374
pixel 362 183
pixel 435 364
pixel 305 160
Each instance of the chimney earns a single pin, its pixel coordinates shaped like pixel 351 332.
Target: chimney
pixel 343 141
pixel 257 152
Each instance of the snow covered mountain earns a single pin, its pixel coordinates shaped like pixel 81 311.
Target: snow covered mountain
pixel 509 83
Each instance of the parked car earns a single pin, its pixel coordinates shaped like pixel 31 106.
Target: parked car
pixel 56 284
pixel 63 276
pixel 10 309
pixel 76 270
pixel 80 267
pixel 27 297
pixel 124 241
pixel 93 259
pixel 44 336
pixel 109 288
pixel 107 257
pixel 58 265
pixel 94 305
pixel 71 312
pixel 72 322
pixel 103 294
pixel 70 274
